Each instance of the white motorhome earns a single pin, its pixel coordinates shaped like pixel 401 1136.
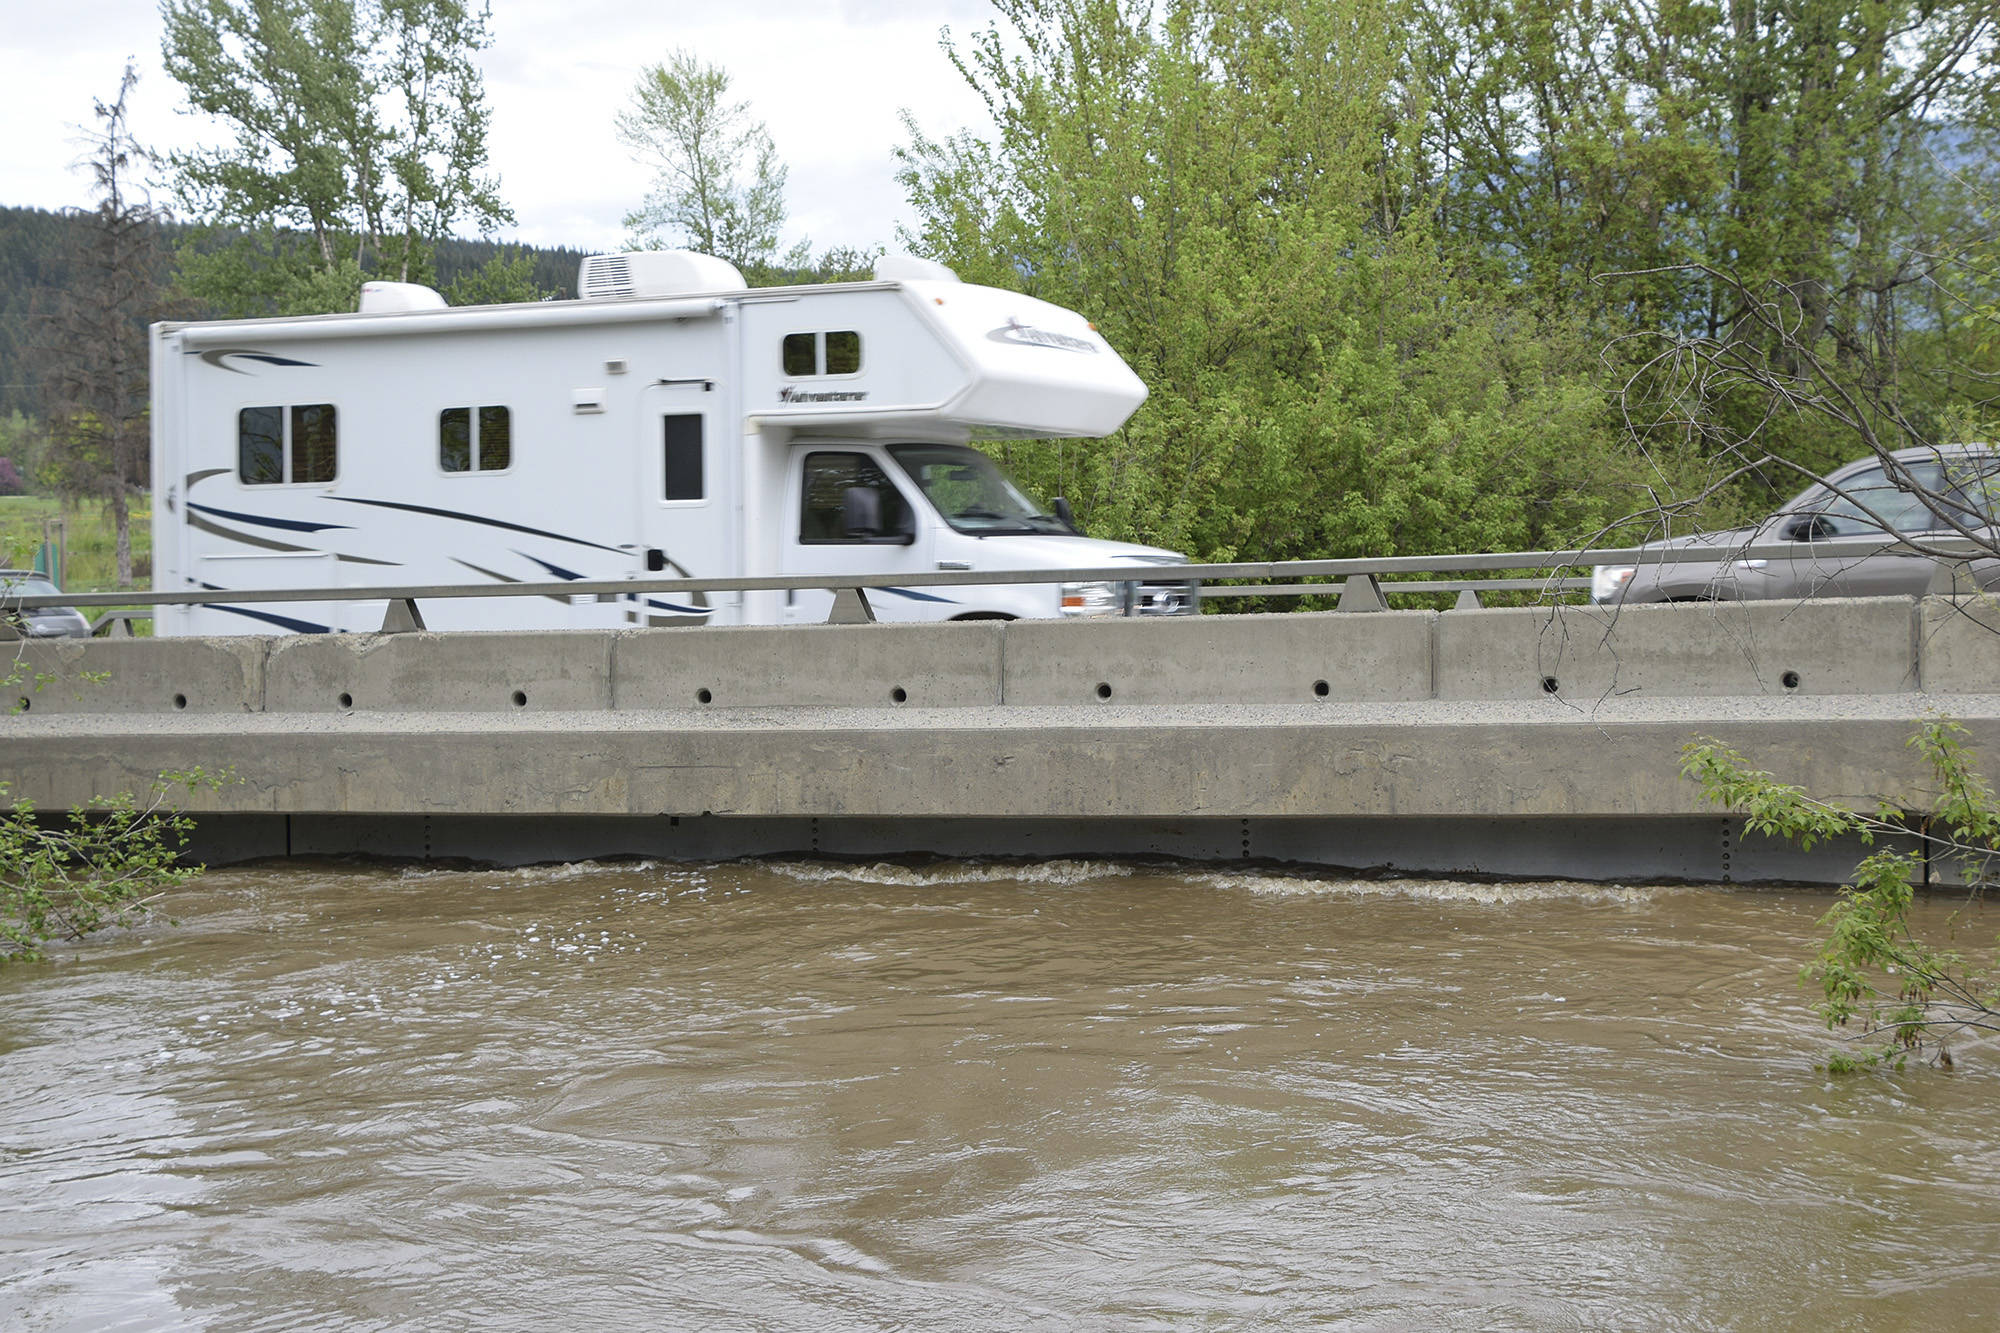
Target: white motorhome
pixel 668 423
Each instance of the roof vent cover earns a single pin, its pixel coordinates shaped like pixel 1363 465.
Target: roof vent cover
pixel 643 273
pixel 382 298
pixel 907 268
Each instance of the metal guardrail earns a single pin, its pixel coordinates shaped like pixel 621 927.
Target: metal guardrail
pixel 1337 575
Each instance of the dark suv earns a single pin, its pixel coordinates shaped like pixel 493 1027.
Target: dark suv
pixel 1944 487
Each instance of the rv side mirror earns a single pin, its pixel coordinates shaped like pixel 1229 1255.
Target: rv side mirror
pixel 861 512
pixel 1068 518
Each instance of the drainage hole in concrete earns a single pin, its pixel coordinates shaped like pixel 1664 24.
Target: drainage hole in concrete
pixel 702 696
pixel 1322 689
pixel 899 694
pixel 520 698
pixel 180 701
pixel 347 701
pixel 26 703
pixel 1549 685
pixel 1103 690
pixel 1790 680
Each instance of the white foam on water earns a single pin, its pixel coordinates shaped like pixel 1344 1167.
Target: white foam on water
pixel 1057 873
pixel 1067 873
pixel 1503 893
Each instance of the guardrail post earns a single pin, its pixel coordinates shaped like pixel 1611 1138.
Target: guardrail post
pixel 1468 600
pixel 850 607
pixel 402 616
pixel 1360 592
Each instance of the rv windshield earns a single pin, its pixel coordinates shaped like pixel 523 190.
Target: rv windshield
pixel 973 495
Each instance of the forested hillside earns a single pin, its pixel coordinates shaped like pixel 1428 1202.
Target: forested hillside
pixel 38 253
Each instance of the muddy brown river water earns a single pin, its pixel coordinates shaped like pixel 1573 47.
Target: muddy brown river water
pixel 1060 1095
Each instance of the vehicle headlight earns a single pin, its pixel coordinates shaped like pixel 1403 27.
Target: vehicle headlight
pixel 1607 581
pixel 1089 599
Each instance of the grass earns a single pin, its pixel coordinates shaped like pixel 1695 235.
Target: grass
pixel 88 540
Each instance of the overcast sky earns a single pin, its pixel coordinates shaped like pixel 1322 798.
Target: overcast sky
pixel 828 77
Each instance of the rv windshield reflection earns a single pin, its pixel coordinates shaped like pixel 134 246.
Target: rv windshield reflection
pixel 971 492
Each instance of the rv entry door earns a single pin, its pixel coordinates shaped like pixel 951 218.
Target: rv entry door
pixel 683 516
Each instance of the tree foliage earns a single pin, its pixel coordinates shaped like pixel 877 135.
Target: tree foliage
pixel 510 276
pixel 359 142
pixel 718 185
pixel 1682 167
pixel 1239 196
pixel 102 866
pixel 1905 995
pixel 1413 274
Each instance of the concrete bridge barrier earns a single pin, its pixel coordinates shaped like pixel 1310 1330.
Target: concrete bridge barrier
pixel 1515 741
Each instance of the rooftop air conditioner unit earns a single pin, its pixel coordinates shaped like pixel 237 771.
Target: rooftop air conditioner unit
pixel 644 273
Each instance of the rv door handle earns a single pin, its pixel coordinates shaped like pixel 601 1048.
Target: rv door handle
pixel 954 564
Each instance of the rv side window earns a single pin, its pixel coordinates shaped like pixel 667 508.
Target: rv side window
pixel 801 354
pixel 313 446
pixel 843 353
pixel 475 439
pixel 683 457
pixel 496 439
pixel 275 445
pixel 828 477
pixel 837 353
pixel 260 446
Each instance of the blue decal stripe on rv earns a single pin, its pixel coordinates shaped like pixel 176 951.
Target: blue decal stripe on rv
pixel 287 524
pixel 297 626
pixel 916 596
pixel 283 622
pixel 200 524
pixel 556 570
pixel 572 575
pixel 498 577
pixel 472 518
pixel 220 357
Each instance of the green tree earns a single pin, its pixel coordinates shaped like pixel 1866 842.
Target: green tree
pixel 1239 197
pixel 799 265
pixel 95 379
pixel 718 185
pixel 359 142
pixel 506 278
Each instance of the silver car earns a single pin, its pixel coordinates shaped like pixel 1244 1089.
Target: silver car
pixel 1946 490
pixel 40 622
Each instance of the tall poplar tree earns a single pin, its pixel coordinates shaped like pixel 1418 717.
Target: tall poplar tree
pixel 718 185
pixel 359 141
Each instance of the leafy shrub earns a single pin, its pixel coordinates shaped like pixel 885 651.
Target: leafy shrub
pixel 1906 996
pixel 102 866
